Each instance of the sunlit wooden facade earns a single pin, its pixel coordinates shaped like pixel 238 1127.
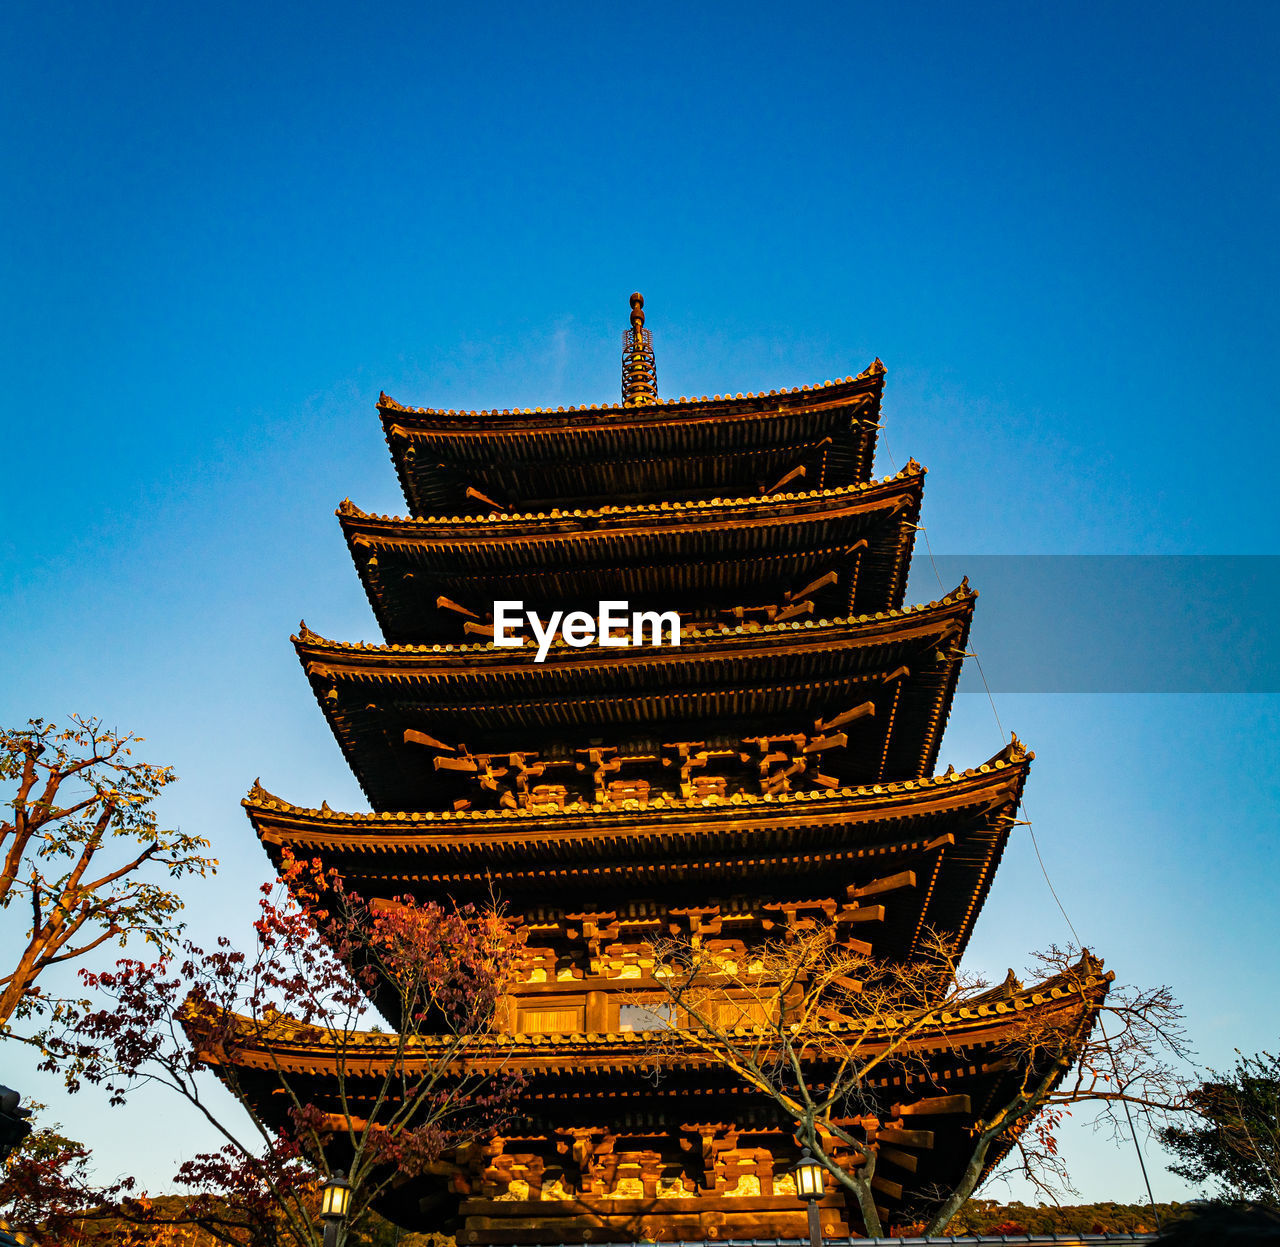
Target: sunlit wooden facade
pixel 775 769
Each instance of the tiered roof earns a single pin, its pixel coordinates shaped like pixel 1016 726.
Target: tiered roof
pixel 771 772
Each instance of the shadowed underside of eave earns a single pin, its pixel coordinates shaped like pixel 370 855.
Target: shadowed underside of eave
pixel 298 1048
pixel 402 715
pixel 845 551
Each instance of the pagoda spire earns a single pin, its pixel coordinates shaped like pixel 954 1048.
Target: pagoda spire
pixel 639 372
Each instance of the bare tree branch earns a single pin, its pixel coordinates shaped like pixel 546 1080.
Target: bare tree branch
pixel 816 1025
pixel 50 843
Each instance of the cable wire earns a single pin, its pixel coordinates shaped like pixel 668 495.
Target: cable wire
pixel 1044 870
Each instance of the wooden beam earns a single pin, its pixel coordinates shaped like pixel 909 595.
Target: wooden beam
pixel 904 1160
pixel 890 883
pixel 810 589
pixel 414 737
pixel 862 913
pixel 473 492
pixel 793 475
pixel 866 709
pixel 934 1106
pixel 922 1139
pixel 838 741
pixel 448 604
pixel 793 611
pixel 467 765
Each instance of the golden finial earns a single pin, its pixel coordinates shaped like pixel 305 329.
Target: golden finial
pixel 639 372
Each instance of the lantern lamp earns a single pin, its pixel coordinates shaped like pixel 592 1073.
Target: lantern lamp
pixel 809 1177
pixel 810 1185
pixel 335 1196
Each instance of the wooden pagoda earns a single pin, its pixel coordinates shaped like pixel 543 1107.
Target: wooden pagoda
pixel 775 767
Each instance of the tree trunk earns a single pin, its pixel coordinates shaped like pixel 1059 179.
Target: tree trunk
pixel 859 1185
pixel 867 1206
pixel 861 1188
pixel 964 1188
pixel 16 988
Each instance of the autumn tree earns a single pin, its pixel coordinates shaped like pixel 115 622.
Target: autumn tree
pixel 388 1103
pixel 84 858
pixel 47 1187
pixel 1233 1142
pixel 1121 1060
pixel 813 1025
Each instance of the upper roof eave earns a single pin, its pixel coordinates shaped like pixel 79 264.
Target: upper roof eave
pixel 603 452
pixel 740 405
pixel 910 475
pixel 885 625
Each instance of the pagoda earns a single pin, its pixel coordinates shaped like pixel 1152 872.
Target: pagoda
pixel 773 769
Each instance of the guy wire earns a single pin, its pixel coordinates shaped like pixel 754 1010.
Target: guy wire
pixel 1044 870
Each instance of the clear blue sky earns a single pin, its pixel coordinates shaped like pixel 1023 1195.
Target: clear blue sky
pixel 226 228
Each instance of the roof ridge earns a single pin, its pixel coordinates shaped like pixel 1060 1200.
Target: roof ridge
pixel 962 592
pixel 387 403
pixel 911 468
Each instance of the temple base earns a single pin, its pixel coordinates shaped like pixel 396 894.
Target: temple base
pixel 706 1218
